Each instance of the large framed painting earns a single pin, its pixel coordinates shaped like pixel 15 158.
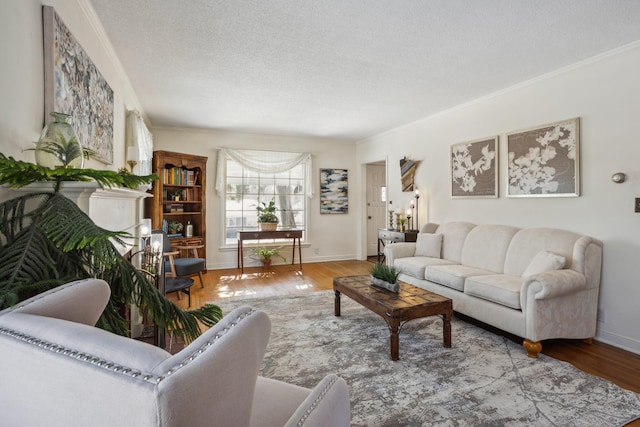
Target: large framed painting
pixel 474 168
pixel 544 161
pixel 334 191
pixel 73 85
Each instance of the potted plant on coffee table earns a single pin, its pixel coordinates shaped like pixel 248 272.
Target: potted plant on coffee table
pixel 385 277
pixel 267 219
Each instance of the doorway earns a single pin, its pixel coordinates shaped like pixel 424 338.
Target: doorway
pixel 376 182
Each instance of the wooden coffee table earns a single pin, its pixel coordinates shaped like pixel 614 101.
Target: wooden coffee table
pixel 395 308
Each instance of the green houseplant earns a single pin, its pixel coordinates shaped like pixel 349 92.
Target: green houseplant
pixel 267 219
pixel 175 227
pixel 265 254
pixel 385 277
pixel 46 240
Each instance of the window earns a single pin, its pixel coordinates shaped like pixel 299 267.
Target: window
pixel 245 188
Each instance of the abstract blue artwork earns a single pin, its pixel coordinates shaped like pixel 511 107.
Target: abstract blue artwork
pixel 334 192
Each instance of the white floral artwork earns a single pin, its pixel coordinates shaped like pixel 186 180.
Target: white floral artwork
pixel 544 161
pixel 474 168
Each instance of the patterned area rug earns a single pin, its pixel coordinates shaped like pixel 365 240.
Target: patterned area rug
pixel 483 380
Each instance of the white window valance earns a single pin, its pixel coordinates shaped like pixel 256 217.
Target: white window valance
pixel 263 162
pixel 139 137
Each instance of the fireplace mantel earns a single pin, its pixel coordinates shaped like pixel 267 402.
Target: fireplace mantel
pixel 115 209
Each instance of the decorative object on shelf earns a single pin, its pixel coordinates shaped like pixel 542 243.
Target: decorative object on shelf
pixel 188 232
pixel 403 223
pixel 474 168
pixel 385 277
pixel 58 146
pixel 175 227
pixel 544 161
pixel 407 173
pixel 77 248
pixel 74 85
pixel 409 223
pixel 265 255
pixel 133 155
pixel 619 177
pixel 176 195
pixel 17 173
pixel 267 219
pixel 334 191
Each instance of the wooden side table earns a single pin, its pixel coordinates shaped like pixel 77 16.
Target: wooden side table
pixel 294 235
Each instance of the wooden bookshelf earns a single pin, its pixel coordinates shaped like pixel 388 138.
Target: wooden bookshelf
pixel 180 195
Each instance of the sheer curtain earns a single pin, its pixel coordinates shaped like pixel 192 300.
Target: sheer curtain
pixel 263 162
pixel 137 135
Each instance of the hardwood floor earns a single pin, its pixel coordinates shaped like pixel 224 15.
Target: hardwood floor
pixel 616 365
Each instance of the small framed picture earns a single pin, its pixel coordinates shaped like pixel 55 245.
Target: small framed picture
pixel 544 161
pixel 334 191
pixel 474 168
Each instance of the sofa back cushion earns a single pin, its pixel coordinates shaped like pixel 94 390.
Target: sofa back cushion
pixel 453 236
pixel 486 246
pixel 429 245
pixel 528 242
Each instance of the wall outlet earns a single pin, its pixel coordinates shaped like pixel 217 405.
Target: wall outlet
pixel 637 205
pixel 316 251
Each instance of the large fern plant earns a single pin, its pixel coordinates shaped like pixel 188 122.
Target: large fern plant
pixel 48 241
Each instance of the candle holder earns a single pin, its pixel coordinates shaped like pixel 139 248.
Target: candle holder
pixel 417 195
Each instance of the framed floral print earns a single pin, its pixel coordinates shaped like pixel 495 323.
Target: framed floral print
pixel 474 168
pixel 544 161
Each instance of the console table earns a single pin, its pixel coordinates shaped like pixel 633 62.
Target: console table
pixel 386 236
pixel 295 235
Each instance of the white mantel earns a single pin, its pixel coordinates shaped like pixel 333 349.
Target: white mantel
pixel 115 209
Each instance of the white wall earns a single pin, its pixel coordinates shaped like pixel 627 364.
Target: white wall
pixel 22 65
pixel 330 237
pixel 604 93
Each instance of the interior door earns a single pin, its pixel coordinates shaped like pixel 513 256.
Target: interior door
pixel 376 205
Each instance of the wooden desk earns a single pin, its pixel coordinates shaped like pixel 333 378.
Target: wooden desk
pixel 386 236
pixel 295 235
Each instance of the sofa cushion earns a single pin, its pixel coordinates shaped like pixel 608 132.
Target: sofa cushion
pixel 415 266
pixel 527 242
pixel 452 276
pixel 486 247
pixel 544 261
pixel 453 236
pixel 499 288
pixel 428 245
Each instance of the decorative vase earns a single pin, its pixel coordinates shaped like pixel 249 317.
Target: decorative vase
pixel 58 146
pixel 268 226
pixel 393 287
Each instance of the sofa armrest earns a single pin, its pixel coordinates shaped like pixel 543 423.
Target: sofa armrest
pixel 326 405
pixel 551 284
pixel 80 301
pixel 394 251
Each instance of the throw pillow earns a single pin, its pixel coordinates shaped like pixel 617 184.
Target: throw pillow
pixel 428 244
pixel 544 261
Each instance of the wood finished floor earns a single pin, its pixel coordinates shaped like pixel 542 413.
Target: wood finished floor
pixel 618 366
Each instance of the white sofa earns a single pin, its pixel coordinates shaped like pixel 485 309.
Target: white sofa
pixel 536 283
pixel 58 370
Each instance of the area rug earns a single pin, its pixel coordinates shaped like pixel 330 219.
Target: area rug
pixel 483 380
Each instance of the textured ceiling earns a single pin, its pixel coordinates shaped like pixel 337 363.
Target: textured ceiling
pixel 345 68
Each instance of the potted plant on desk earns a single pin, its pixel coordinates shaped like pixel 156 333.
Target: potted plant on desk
pixel 267 219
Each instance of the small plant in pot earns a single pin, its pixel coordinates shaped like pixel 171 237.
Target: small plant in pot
pixel 175 227
pixel 385 277
pixel 266 254
pixel 267 219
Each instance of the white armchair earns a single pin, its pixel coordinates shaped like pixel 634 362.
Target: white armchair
pixel 58 369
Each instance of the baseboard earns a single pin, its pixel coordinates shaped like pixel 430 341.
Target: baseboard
pixel 305 260
pixel 625 343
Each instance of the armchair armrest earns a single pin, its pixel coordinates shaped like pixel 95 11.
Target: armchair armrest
pixel 326 405
pixel 394 251
pixel 551 284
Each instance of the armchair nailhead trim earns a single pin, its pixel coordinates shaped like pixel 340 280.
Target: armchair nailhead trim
pixel 311 408
pixel 94 360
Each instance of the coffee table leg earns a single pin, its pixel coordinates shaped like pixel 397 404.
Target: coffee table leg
pixel 336 304
pixel 394 335
pixel 446 330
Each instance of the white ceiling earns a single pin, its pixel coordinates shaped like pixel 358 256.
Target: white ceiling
pixel 345 68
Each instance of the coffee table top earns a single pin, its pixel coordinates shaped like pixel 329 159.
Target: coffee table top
pixel 360 289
